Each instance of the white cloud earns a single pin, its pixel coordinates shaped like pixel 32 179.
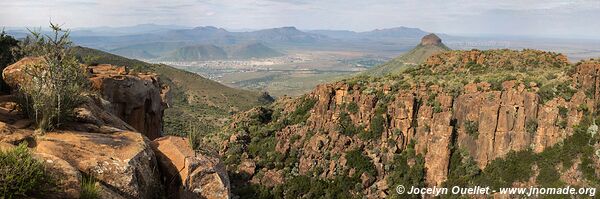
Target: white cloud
pixel 453 16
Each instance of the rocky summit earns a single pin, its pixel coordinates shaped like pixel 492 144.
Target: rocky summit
pixel 431 39
pixel 109 140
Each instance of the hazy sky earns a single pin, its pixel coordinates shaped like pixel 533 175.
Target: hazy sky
pixel 569 18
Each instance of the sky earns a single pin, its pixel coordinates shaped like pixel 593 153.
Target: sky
pixel 559 18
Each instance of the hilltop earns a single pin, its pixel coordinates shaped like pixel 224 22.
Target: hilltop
pixel 461 118
pixel 195 99
pixel 430 44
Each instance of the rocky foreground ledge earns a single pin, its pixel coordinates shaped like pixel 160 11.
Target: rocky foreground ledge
pixel 110 140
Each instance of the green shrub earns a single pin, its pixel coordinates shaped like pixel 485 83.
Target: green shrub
pixel 563 111
pixel 89 190
pixel 302 113
pixel 193 136
pixel 531 126
pixel 352 107
pixel 562 123
pixel 472 128
pixel 9 53
pixel 21 175
pixel 376 128
pixel 346 127
pixel 501 172
pixel 462 169
pixel 403 174
pixel 357 160
pixel 591 92
pixel 56 85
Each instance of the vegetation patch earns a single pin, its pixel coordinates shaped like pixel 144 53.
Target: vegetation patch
pixel 408 174
pixel 302 111
pixel 357 160
pixel 472 128
pixel 22 176
pixel 55 85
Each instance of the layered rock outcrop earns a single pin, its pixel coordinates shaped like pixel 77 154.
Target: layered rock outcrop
pixel 188 173
pixel 486 118
pixel 138 99
pixel 107 140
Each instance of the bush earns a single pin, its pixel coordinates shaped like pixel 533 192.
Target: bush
pixel 21 175
pixel 9 53
pixel 345 125
pixel 376 128
pixel 472 128
pixel 404 174
pixel 531 126
pixel 352 107
pixel 302 113
pixel 55 86
pixel 357 160
pixel 563 111
pixel 89 190
pixel 193 136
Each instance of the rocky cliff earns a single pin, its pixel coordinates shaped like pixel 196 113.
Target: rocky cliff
pixel 375 132
pixel 107 140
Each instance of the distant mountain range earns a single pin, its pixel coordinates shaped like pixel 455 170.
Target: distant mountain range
pixel 151 41
pixel 213 52
pixel 399 32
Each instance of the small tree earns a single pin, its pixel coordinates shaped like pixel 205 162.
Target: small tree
pixel 54 86
pixel 9 53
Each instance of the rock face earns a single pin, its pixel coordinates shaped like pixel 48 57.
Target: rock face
pixel 123 161
pixel 15 73
pixel 96 142
pixel 431 39
pixel 138 99
pixel 486 120
pixel 189 174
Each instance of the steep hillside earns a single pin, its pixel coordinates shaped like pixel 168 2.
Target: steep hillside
pixel 430 44
pixel 462 118
pixel 196 53
pixel 196 100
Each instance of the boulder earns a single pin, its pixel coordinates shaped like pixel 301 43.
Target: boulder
pixel 12 135
pixel 68 179
pixel 122 161
pixel 15 74
pixel 138 99
pixel 189 174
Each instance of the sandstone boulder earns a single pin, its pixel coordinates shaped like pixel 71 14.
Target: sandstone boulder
pixel 15 74
pixel 136 98
pixel 189 174
pixel 12 135
pixel 68 179
pixel 122 161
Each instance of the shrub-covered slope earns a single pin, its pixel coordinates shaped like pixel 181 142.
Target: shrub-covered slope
pixel 461 118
